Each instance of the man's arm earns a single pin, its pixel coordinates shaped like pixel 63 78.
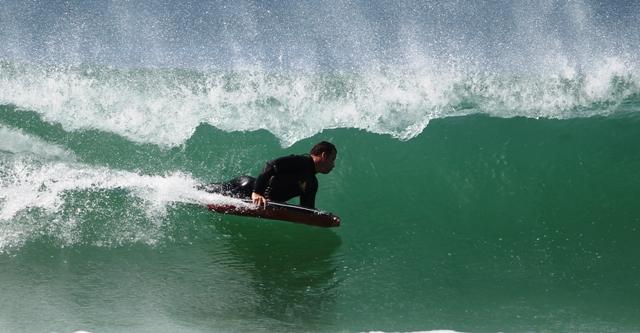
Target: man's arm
pixel 308 196
pixel 261 184
pixel 263 179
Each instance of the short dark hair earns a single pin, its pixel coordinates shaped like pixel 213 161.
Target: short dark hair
pixel 323 147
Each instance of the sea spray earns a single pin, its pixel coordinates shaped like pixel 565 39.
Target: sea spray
pixel 164 107
pixel 54 198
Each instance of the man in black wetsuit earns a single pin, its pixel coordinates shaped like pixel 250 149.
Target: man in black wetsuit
pixel 283 178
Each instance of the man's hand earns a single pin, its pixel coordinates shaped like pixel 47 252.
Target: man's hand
pixel 259 200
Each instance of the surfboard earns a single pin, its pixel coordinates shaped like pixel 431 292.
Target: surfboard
pixel 280 212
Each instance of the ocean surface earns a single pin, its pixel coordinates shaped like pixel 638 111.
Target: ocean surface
pixel 487 177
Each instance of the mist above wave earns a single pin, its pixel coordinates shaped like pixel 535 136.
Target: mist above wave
pixel 318 35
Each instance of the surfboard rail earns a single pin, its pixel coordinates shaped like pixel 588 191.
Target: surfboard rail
pixel 281 212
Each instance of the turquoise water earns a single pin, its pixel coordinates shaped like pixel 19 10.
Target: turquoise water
pixel 477 224
pixel 473 197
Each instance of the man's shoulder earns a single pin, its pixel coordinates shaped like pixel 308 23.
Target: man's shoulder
pixel 301 163
pixel 294 158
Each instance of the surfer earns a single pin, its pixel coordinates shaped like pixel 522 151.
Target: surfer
pixel 283 178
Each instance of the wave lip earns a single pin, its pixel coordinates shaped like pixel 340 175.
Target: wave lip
pixel 164 107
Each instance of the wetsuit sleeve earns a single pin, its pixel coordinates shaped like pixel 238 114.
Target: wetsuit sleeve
pixel 284 165
pixel 308 197
pixel 263 179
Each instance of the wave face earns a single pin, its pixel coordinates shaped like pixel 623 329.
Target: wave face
pixel 486 175
pixel 496 216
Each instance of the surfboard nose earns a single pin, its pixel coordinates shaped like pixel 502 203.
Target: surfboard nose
pixel 335 221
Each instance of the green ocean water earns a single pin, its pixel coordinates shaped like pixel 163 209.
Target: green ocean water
pixel 487 172
pixel 476 224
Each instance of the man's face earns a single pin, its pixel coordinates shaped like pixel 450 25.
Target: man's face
pixel 327 162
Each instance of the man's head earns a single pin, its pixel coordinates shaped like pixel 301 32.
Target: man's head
pixel 324 156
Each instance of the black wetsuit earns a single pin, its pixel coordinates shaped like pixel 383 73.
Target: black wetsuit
pixel 281 180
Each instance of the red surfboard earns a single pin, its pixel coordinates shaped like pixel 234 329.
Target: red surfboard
pixel 281 212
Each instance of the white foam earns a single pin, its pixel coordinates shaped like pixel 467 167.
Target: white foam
pixel 27 185
pixel 598 82
pixel 17 142
pixel 164 107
